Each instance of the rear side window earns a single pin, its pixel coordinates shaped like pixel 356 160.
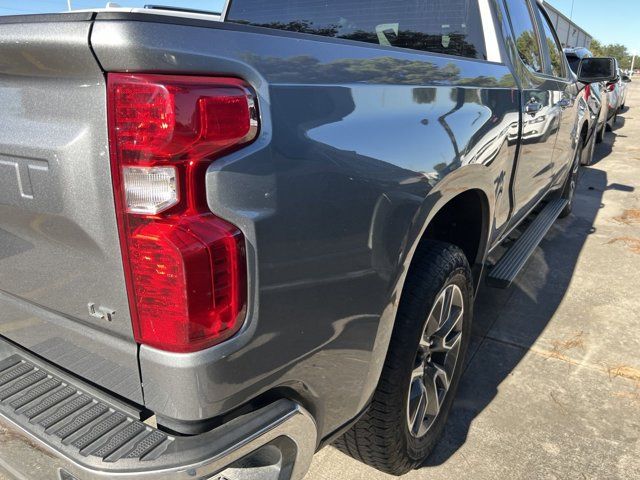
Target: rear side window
pixel 555 52
pixel 525 34
pixel 441 26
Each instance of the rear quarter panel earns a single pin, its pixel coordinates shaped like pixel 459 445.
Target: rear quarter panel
pixel 360 145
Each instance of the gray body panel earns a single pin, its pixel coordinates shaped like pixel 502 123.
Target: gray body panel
pixel 332 198
pixel 360 146
pixel 59 245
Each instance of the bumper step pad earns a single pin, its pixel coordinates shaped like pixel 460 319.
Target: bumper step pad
pixel 79 432
pixel 76 419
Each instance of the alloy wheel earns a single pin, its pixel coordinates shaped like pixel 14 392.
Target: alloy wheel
pixel 436 360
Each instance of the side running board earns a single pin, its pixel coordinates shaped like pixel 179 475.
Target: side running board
pixel 508 267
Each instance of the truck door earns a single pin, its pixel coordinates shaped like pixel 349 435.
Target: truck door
pixel 565 89
pixel 541 111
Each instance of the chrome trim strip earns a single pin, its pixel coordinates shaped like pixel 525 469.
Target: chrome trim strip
pixel 213 17
pixel 490 35
pixel 225 10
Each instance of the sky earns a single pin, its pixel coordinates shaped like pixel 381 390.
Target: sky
pixel 609 22
pixel 606 21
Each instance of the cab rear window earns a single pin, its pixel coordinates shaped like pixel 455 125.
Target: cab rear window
pixel 442 26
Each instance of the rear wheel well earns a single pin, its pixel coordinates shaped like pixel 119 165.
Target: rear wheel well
pixel 462 222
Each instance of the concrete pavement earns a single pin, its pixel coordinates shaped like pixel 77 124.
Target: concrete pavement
pixel 552 385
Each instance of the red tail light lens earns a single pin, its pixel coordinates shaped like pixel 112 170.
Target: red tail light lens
pixel 185 268
pixel 587 92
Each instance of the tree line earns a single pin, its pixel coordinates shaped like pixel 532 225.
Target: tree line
pixel 616 50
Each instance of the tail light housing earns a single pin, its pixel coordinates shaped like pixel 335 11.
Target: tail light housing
pixel 185 268
pixel 587 92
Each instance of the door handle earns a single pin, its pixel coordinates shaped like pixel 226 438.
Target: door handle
pixel 532 108
pixel 564 103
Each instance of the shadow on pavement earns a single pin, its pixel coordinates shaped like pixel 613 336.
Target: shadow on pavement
pixel 605 148
pixel 508 322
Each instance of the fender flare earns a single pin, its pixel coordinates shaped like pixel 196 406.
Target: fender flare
pixel 473 177
pixel 464 179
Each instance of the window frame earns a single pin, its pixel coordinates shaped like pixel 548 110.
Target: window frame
pixel 536 31
pixel 542 16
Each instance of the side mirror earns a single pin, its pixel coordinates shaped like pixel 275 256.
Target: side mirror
pixel 592 70
pixel 626 79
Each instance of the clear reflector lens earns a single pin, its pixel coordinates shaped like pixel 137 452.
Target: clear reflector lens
pixel 150 190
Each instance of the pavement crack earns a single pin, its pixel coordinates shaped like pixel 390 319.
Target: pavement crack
pixel 562 406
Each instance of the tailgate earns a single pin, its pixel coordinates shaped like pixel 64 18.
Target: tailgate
pixel 59 249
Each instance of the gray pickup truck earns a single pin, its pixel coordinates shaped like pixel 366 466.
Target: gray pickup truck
pixel 227 240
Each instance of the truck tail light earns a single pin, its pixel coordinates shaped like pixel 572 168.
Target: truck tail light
pixel 185 268
pixel 587 92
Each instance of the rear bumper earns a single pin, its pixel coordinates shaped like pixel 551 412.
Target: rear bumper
pixel 275 442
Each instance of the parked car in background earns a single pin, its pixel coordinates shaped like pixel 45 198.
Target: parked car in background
pixel 590 100
pixel 228 240
pixel 613 100
pixel 623 80
pixel 617 92
pixel 596 96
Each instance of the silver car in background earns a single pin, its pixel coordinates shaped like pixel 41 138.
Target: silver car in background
pixel 617 92
pixel 602 102
pixel 623 80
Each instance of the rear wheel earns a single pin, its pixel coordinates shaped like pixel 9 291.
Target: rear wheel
pixel 423 365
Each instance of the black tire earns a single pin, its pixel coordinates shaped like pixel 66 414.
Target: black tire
pixel 382 437
pixel 586 157
pixel 600 133
pixel 612 122
pixel 569 190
